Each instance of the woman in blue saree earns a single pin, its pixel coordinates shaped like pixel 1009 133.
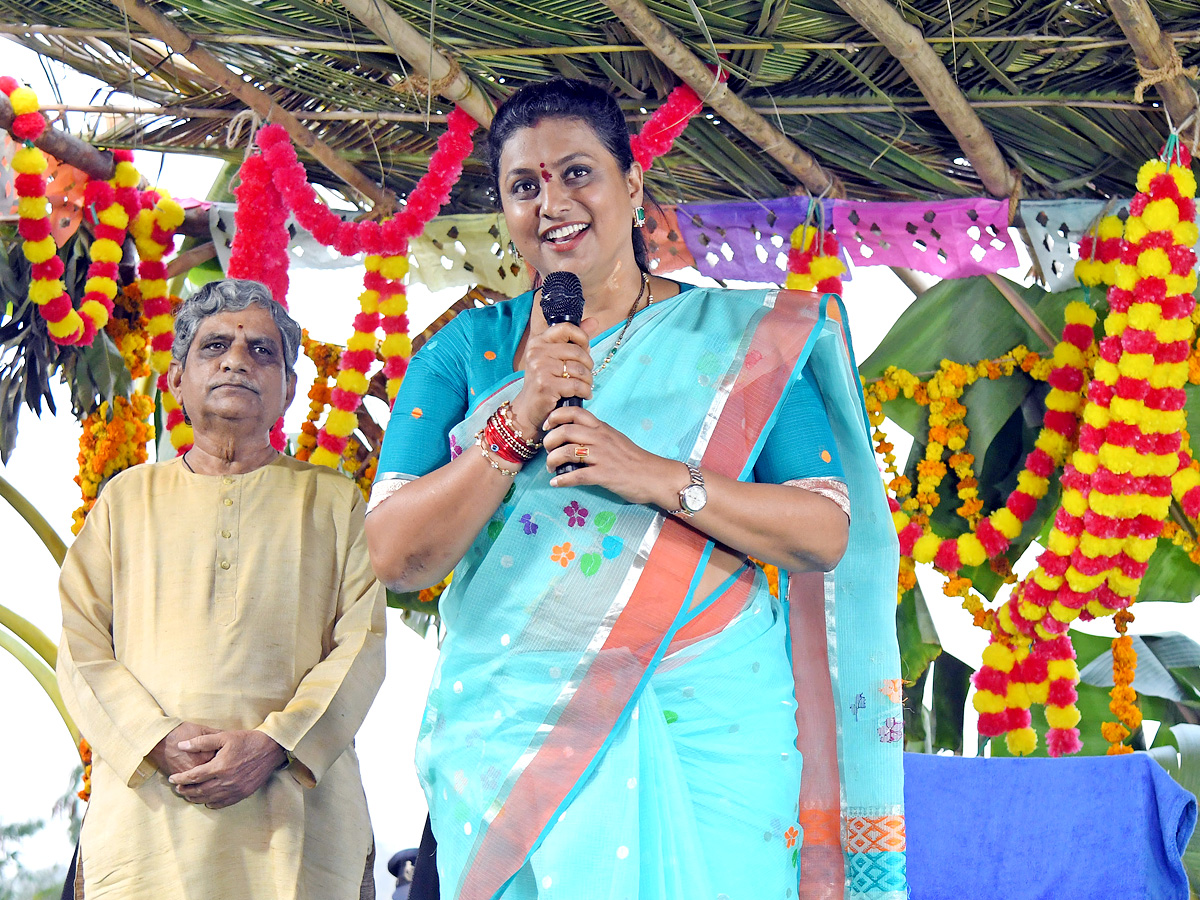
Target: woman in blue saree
pixel 614 711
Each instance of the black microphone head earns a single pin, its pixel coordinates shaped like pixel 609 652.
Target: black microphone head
pixel 562 298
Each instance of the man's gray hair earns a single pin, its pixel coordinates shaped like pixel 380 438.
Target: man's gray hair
pixel 232 295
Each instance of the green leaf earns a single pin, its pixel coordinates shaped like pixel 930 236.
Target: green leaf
pixel 1158 658
pixel 951 682
pixel 604 521
pixel 919 643
pixel 671 716
pixel 1171 576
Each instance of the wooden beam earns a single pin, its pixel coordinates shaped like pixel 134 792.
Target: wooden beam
pixel 1158 60
pixel 425 60
pixel 259 101
pixel 192 112
pixel 662 42
pixel 922 64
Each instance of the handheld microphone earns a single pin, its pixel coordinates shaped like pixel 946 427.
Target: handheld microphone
pixel 562 301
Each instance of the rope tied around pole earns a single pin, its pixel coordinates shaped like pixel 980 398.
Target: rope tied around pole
pixel 247 118
pixel 1173 69
pixel 422 85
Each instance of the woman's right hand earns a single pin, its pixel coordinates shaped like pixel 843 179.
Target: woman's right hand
pixel 561 348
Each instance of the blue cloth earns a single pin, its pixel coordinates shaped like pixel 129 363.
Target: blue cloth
pixel 1025 829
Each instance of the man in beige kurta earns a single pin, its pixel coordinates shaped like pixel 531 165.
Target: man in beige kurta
pixel 235 602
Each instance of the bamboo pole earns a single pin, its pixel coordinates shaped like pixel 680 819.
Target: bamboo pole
pixel 423 58
pixel 1158 61
pixel 909 48
pixel 192 112
pixel 256 99
pixel 663 43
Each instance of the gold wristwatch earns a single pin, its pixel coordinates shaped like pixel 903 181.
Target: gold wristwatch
pixel 693 497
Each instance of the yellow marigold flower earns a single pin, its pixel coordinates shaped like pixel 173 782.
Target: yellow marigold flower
pixel 1006 523
pixel 323 457
pixel 1148 171
pixel 1061 544
pixel 1079 313
pixel 1083 583
pixel 1062 613
pixel 168 214
pixel 39 251
pixel 1017 696
pixel 987 702
pixel 68 325
pixel 926 547
pixel 1049 582
pixel 1074 503
pixel 1032 484
pixel 1021 741
pixel 1093 546
pixel 126 175
pixel 43 291
pixel 1031 612
pixel 352 380
pixel 29 161
pixel 1136 365
pixel 1168 375
pixel 899 521
pixel 1184 179
pixel 1062 716
pixel 1053 444
pixel 1039 693
pixel 361 340
pixel 1062 668
pixel 970 550
pixel 95 311
pixel 999 656
pixel 341 423
pixel 394 268
pixel 395 305
pixel 1144 316
pixel 396 345
pixel 1181 284
pixel 823 267
pixel 1122 584
pixel 1106 372
pixel 1124 410
pixel 1141 549
pixel 154 287
pixel 1125 276
pixel 1175 329
pixel 1186 234
pixel 1161 215
pixel 1118 459
pixel 33 208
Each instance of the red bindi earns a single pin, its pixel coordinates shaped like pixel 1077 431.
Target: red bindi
pixel 546 176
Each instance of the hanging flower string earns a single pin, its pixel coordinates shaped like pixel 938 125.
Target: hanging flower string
pixel 666 124
pixel 260 242
pixel 111 444
pixel 1124 699
pixel 65 324
pixel 1130 461
pixel 114 203
pixel 813 261
pixel 127 328
pixel 387 264
pixel 325 358
pixel 85 757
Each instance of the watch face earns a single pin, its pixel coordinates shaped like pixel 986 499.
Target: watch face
pixel 693 497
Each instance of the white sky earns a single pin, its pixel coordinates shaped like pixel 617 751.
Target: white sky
pixel 36 755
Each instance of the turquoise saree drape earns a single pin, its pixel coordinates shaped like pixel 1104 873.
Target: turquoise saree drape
pixel 595 729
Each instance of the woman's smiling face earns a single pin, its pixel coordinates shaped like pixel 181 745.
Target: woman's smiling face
pixel 568 205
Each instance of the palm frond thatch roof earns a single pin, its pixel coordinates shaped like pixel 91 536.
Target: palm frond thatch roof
pixel 1053 81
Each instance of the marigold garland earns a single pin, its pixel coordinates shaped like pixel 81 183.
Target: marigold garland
pixel 813 261
pixel 65 324
pixel 127 328
pixel 1124 699
pixel 111 443
pixel 115 202
pixel 325 358
pixel 666 124
pixel 1129 463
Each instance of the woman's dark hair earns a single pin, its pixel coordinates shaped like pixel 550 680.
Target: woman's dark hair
pixel 566 98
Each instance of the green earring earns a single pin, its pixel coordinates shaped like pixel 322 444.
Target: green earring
pixel 513 251
pixel 639 217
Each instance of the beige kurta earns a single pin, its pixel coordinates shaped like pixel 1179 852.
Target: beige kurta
pixel 238 602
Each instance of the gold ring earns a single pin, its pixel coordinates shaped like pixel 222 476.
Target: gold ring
pixel 581 452
pixel 565 373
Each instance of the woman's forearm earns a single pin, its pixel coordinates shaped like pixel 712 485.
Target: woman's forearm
pixel 784 525
pixel 417 536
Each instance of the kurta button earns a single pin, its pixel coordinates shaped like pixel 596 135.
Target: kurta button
pixel 224 534
pixel 224 564
pixel 228 501
pixel 229 481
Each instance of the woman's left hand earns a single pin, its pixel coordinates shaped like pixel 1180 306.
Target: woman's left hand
pixel 609 459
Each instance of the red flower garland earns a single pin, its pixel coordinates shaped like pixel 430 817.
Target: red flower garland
pixel 666 124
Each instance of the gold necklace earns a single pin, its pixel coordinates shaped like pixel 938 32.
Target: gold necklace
pixel 645 289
